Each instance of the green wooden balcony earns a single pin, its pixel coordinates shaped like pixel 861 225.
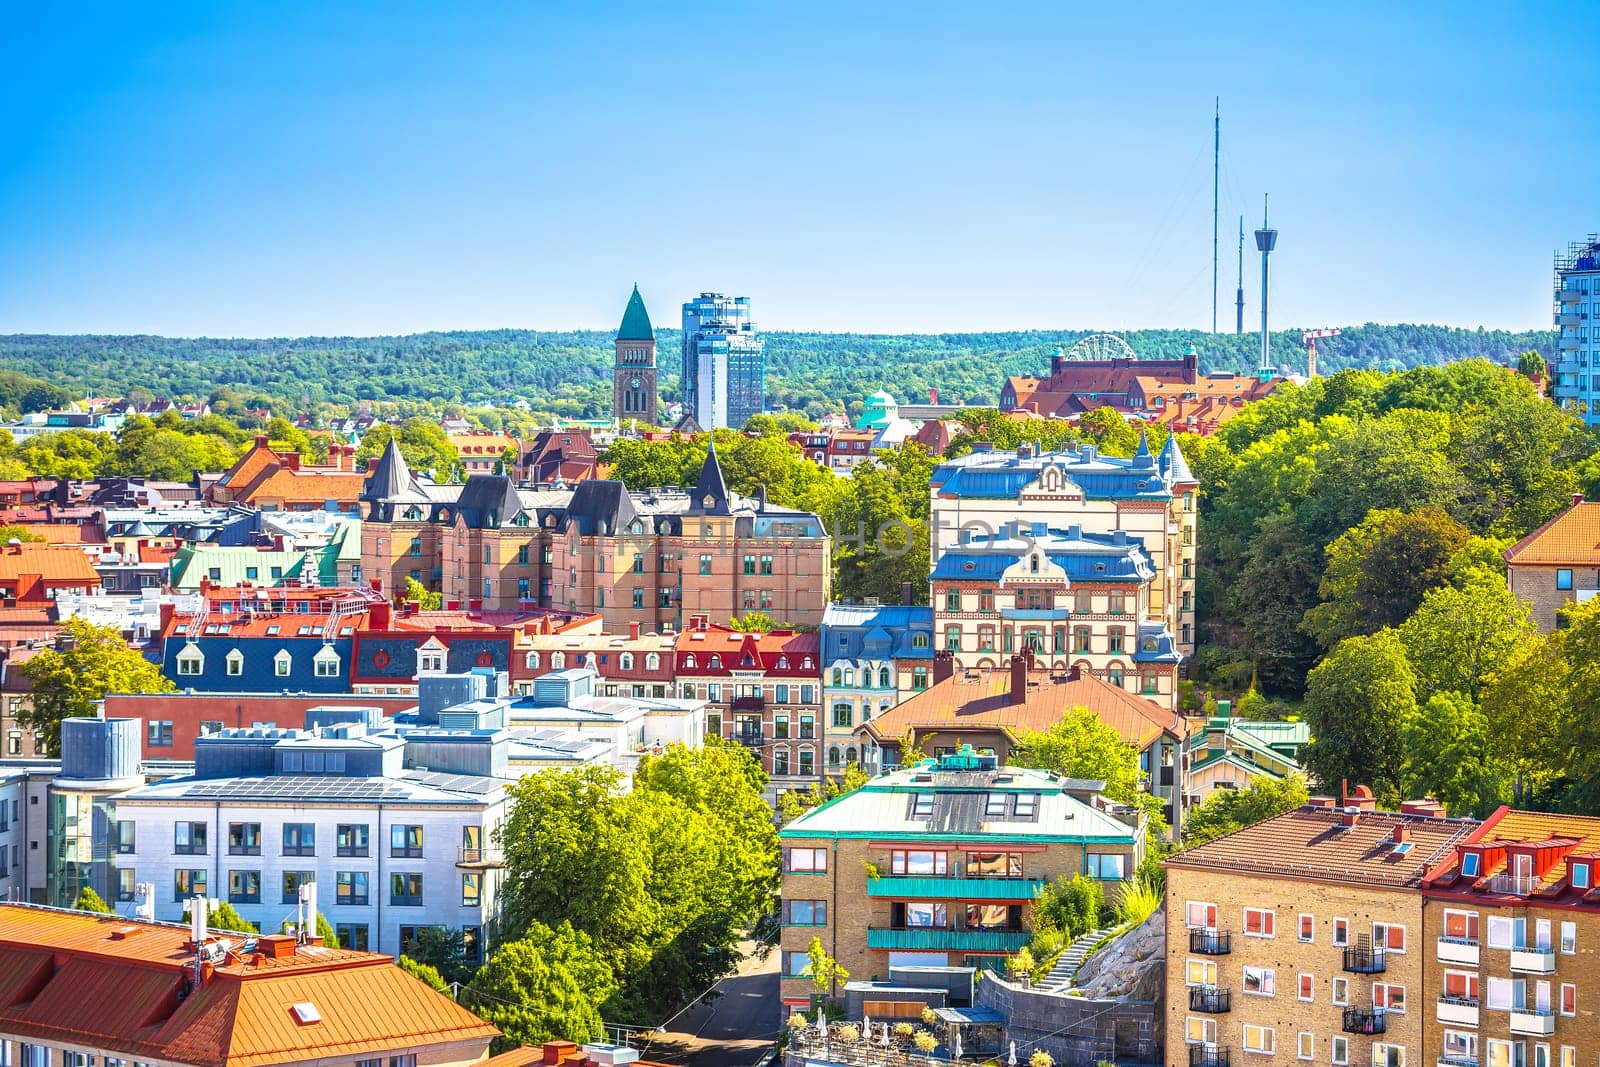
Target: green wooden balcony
pixel 936 939
pixel 937 887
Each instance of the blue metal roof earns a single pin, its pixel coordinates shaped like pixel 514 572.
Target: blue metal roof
pixel 1003 475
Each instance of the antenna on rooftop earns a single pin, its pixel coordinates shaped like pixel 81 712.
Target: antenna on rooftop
pixel 306 911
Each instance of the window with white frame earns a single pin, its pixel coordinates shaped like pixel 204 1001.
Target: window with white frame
pixel 1307 989
pixel 1569 938
pixel 1389 936
pixel 1200 972
pixel 1341 932
pixel 1200 915
pixel 325 664
pixel 1389 997
pixel 1259 922
pixel 1255 1038
pixel 1198 1030
pixel 1260 981
pixel 1341 991
pixel 1501 931
pixel 234 663
pixel 191 660
pixel 1307 1043
pixel 1339 1050
pixel 282 663
pixel 1308 928
pixel 1385 1055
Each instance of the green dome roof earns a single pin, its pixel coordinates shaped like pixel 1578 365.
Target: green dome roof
pixel 881 397
pixel 635 321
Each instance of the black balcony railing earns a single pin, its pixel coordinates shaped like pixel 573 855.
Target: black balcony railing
pixel 1364 959
pixel 748 703
pixel 752 738
pixel 1210 1000
pixel 1210 942
pixel 1365 1021
pixel 1207 1056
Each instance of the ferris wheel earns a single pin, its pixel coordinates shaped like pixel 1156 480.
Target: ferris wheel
pixel 1101 346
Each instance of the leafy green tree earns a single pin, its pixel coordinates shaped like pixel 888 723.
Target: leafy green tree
pixel 1079 745
pixel 547 985
pixel 441 948
pixel 756 622
pixel 1458 638
pixel 793 803
pixel 89 900
pixel 1356 702
pixel 1071 904
pixel 1378 570
pixel 426 447
pixel 25 534
pixel 1531 365
pixel 424 972
pixel 68 683
pixel 420 595
pixel 1529 711
pixel 1225 810
pixel 75 454
pixel 823 970
pixel 221 916
pixel 1448 756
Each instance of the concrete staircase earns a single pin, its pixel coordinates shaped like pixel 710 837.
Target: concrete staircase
pixel 1065 969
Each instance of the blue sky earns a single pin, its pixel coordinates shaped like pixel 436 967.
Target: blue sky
pixel 274 169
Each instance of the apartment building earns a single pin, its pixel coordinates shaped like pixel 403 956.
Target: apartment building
pixel 873 657
pixel 1302 938
pixel 106 989
pixel 938 865
pixel 1086 559
pixel 397 833
pixel 763 690
pixel 1511 929
pixel 654 557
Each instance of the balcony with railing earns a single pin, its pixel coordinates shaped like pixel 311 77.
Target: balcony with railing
pixel 957 885
pixel 475 858
pixel 1210 999
pixel 1364 958
pixel 1210 942
pixel 748 703
pixel 1570 296
pixel 1208 1056
pixel 945 939
pixel 1532 1022
pixel 1369 1021
pixel 1457 1010
pixel 1516 885
pixel 1455 1060
pixel 1532 959
pixel 752 738
pixel 1461 950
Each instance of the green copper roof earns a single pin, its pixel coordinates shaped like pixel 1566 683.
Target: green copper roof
pixel 635 321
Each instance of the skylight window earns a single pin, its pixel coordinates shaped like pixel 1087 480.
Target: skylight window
pixel 305 1013
pixel 922 806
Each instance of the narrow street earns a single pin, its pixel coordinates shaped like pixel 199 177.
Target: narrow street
pixel 734 1029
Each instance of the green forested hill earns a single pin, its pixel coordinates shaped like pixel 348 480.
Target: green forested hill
pixel 568 373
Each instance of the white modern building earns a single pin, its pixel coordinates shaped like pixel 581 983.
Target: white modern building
pixel 397 832
pixel 724 361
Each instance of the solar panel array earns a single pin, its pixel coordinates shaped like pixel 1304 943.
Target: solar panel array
pixel 289 787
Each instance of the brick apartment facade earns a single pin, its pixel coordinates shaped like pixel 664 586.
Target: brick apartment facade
pixel 1301 938
pixel 1557 564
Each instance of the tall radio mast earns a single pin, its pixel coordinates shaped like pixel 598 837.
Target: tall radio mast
pixel 1216 164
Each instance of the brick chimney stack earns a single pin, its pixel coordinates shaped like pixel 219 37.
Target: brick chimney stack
pixel 944 665
pixel 1021 663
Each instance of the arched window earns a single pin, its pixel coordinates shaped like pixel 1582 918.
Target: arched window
pixel 883 678
pixel 849 676
pixel 850 754
pixel 783 663
pixel 532 661
pixel 652 662
pixel 558 661
pixel 688 661
pixel 716 661
pixel 627 661
pixel 838 676
pixel 833 756
pixel 920 640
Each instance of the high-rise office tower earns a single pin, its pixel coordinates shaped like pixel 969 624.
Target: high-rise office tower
pixel 633 374
pixel 1575 375
pixel 724 361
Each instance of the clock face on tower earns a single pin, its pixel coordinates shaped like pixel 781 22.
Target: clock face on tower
pixel 633 383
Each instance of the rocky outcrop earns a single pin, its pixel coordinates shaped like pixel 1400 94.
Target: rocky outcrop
pixel 1132 967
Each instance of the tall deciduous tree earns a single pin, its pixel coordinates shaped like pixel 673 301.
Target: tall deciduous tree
pixel 66 683
pixel 1458 638
pixel 1081 746
pixel 1356 702
pixel 547 985
pixel 1227 810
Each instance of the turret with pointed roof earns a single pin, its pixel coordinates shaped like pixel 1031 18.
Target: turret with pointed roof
pixel 390 477
pixel 1142 457
pixel 633 391
pixel 711 491
pixel 1174 466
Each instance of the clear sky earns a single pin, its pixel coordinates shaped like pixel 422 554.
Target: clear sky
pixel 265 169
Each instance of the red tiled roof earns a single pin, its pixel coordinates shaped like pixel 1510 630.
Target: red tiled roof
pixel 72 978
pixel 980 698
pixel 747 651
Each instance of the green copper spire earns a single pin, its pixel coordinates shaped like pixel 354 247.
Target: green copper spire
pixel 635 321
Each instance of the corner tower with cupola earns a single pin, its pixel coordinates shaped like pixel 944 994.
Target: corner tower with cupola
pixel 634 371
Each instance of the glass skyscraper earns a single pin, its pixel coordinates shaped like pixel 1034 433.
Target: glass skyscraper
pixel 724 361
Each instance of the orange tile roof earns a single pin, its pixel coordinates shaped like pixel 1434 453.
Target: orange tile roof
pixel 1311 843
pixel 980 698
pixel 308 487
pixel 1571 538
pixel 52 563
pixel 73 978
pixel 1568 835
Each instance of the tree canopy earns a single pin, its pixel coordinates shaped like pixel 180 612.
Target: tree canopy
pixel 67 683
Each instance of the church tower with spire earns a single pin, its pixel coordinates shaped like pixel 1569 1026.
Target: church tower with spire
pixel 633 392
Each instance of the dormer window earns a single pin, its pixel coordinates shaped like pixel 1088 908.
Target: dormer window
pixel 922 806
pixel 1580 876
pixel 716 661
pixel 688 661
pixel 1471 864
pixel 783 663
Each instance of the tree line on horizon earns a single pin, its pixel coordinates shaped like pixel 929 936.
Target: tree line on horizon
pixel 568 373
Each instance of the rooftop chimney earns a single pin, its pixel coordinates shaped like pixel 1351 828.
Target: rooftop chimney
pixel 1019 676
pixel 944 665
pixel 633 630
pixel 1401 834
pixel 905 594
